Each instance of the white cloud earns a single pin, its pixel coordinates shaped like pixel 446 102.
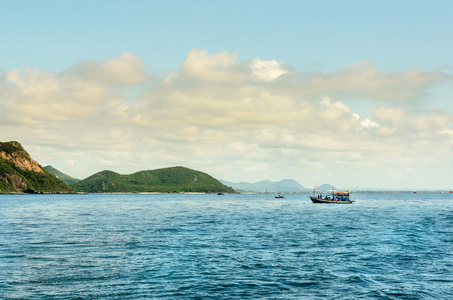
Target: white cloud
pixel 393 114
pixel 432 121
pixel 34 97
pixel 338 106
pixel 242 120
pixel 220 67
pixel 364 80
pixel 33 82
pixel 127 70
pixel 369 123
pixel 267 70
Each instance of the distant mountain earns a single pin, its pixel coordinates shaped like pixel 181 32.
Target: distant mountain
pixel 166 180
pixel 62 176
pixel 287 185
pixel 19 173
pixel 325 187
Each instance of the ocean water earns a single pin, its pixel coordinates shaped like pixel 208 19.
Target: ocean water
pixel 163 246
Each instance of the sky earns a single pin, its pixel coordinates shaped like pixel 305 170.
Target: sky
pixel 351 93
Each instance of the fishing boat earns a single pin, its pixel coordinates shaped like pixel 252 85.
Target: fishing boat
pixel 279 196
pixel 334 197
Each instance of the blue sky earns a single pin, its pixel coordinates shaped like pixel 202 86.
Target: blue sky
pixel 320 35
pixel 233 88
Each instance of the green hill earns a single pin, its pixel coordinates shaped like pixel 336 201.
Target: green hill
pixel 62 176
pixel 19 173
pixel 166 180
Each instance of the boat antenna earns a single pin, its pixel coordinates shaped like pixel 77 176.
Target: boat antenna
pixel 356 188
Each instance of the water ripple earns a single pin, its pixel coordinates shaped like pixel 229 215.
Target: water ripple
pixel 385 246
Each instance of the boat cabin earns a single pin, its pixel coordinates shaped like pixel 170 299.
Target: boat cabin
pixel 334 197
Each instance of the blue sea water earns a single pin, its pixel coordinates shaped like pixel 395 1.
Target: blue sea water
pixel 166 246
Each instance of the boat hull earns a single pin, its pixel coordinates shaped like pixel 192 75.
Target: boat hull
pixel 321 200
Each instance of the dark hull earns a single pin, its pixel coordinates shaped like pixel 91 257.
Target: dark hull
pixel 318 200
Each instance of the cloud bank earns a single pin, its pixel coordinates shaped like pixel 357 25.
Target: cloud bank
pixel 238 120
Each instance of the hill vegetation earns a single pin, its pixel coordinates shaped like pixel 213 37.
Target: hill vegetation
pixel 19 173
pixel 62 176
pixel 166 180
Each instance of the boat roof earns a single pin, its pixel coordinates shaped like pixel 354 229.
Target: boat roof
pixel 342 193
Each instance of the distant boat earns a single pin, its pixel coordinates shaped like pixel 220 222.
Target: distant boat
pixel 279 196
pixel 334 197
pixel 219 193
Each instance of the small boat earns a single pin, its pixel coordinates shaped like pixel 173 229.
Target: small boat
pixel 334 197
pixel 279 196
pixel 219 193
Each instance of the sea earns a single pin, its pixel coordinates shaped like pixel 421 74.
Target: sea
pixel 238 246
